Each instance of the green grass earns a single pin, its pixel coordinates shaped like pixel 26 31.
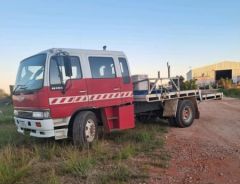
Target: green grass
pixel 118 174
pixel 125 152
pixel 145 138
pixel 160 159
pixel 77 163
pixel 111 159
pixel 233 92
pixel 14 164
pixel 121 173
pixel 6 114
pixel 52 177
pixel 8 134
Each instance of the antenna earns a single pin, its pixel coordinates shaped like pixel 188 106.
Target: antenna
pixel 168 66
pixel 159 74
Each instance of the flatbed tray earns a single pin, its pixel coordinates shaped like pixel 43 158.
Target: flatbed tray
pixel 157 96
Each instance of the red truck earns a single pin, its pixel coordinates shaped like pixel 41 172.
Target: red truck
pixel 69 93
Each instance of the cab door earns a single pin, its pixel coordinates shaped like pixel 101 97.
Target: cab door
pixel 104 86
pixel 66 95
pixel 125 82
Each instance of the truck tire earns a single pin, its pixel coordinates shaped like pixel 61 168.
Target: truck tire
pixel 84 129
pixel 185 113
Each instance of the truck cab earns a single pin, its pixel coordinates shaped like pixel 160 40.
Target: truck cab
pixel 68 93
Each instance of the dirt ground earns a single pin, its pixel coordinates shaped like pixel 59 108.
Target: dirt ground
pixel 208 152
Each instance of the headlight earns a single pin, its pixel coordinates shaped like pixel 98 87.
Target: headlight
pixel 15 112
pixel 41 114
pixel 46 114
pixel 37 114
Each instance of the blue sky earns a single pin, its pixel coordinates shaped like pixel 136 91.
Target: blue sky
pixel 187 33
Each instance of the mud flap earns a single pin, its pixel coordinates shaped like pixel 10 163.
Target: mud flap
pixel 197 113
pixel 170 108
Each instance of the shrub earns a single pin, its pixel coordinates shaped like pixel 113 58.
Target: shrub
pixel 189 85
pixel 233 92
pixel 225 83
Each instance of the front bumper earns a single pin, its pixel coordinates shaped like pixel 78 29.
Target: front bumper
pixel 47 129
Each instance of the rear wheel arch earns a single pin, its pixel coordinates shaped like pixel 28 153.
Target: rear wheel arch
pixel 197 112
pixel 73 116
pixel 84 130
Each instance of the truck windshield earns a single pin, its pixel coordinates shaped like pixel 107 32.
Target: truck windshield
pixel 30 74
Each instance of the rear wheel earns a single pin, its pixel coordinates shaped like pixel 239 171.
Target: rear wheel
pixel 84 128
pixel 185 113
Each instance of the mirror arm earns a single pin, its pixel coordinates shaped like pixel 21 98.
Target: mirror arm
pixel 65 85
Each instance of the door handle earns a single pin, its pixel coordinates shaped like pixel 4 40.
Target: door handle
pixel 83 91
pixel 116 89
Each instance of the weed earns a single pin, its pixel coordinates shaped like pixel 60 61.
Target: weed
pixel 125 152
pixel 142 137
pixel 103 179
pixel 47 151
pixel 79 167
pixel 164 156
pixel 134 136
pixel 8 134
pixel 77 164
pixel 121 173
pixel 14 164
pixel 52 178
pixel 160 163
pixel 100 151
pixel 160 159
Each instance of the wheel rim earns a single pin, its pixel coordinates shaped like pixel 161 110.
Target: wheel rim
pixel 90 130
pixel 187 114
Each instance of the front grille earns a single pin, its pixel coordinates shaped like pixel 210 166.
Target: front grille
pixel 25 114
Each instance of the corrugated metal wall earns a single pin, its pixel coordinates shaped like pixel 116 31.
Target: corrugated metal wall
pixel 206 74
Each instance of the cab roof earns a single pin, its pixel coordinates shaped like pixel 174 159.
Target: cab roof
pixel 84 51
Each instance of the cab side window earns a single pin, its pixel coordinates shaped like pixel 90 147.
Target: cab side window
pixel 124 70
pixel 102 67
pixel 57 70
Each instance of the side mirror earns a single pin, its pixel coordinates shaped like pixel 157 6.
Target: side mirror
pixel 67 66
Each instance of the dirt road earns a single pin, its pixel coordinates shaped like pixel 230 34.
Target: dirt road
pixel 209 151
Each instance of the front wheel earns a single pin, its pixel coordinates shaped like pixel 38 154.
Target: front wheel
pixel 84 128
pixel 185 113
